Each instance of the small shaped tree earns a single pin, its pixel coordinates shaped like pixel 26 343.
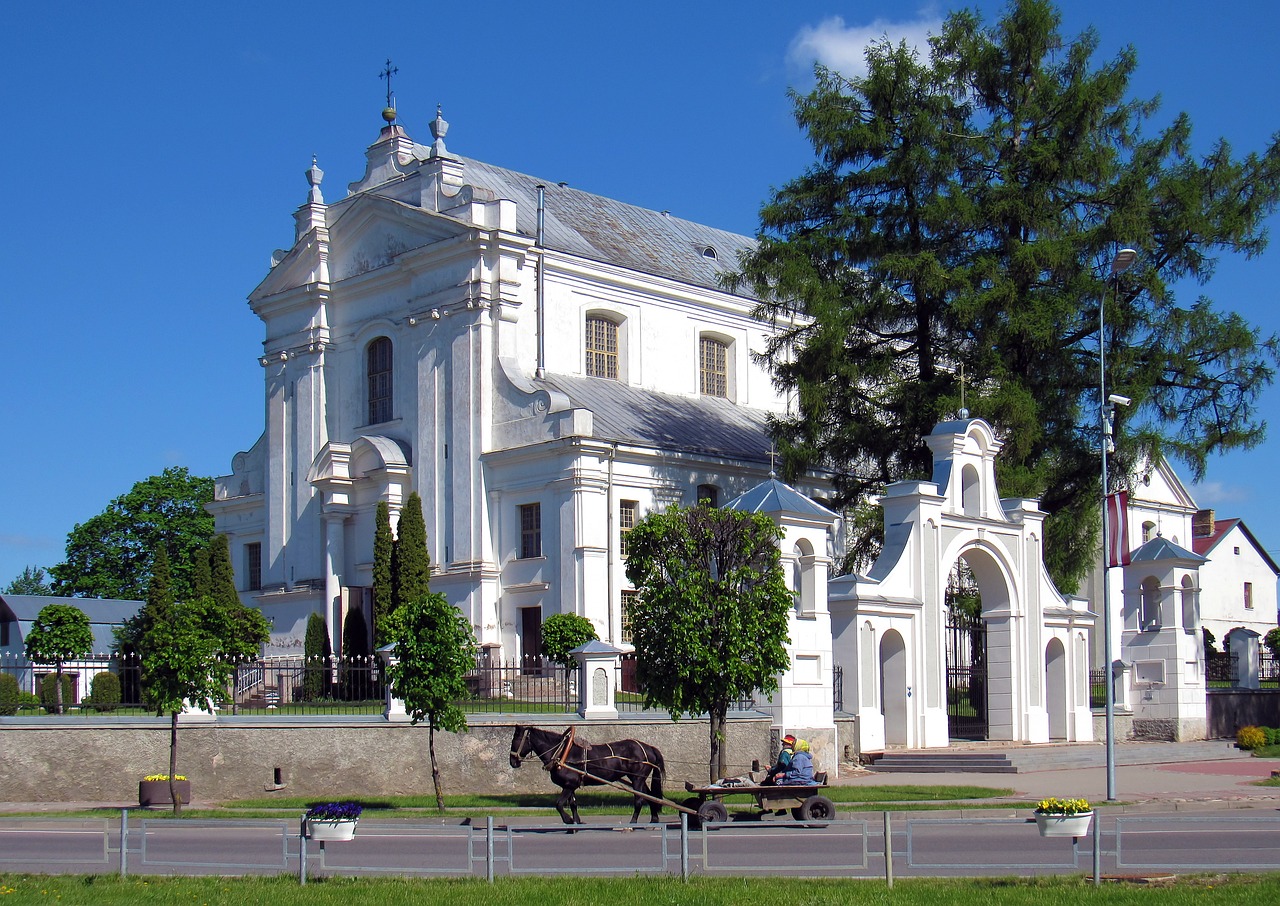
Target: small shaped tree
pixel 383 584
pixel 316 652
pixel 563 632
pixel 60 633
pixel 410 561
pixel 189 657
pixel 435 649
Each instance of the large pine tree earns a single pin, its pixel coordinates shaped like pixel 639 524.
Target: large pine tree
pixel 961 212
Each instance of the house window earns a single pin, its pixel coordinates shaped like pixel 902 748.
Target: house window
pixel 708 494
pixel 602 348
pixel 627 510
pixel 1248 596
pixel 378 370
pixel 530 530
pixel 628 606
pixel 713 369
pixel 1148 531
pixel 253 566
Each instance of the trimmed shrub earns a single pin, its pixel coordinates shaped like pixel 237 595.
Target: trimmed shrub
pixel 49 692
pixel 106 692
pixel 9 700
pixel 1250 738
pixel 562 632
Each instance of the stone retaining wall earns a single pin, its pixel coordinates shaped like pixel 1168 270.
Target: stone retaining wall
pixel 81 759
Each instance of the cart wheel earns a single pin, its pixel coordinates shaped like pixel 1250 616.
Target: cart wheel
pixel 817 808
pixel 797 813
pixel 712 812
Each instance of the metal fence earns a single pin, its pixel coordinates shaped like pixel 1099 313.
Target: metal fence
pixel 1098 688
pixel 868 846
pixel 298 685
pixel 1220 668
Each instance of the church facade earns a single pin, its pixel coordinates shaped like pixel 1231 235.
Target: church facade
pixel 542 365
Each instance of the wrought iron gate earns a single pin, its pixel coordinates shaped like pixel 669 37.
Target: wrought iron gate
pixel 966 676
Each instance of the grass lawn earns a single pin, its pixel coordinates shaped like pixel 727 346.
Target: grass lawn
pixel 283 891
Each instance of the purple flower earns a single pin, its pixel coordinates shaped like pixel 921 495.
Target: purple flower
pixel 335 811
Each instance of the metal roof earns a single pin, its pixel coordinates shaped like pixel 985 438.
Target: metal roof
pixel 703 424
pixel 772 496
pixel 611 231
pixel 1161 548
pixel 104 614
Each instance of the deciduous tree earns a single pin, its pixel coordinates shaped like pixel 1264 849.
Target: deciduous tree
pixel 110 555
pixel 59 633
pixel 562 632
pixel 710 619
pixel 961 212
pixel 435 648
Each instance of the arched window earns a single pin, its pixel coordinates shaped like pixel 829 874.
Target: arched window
pixel 602 348
pixel 378 373
pixel 1148 531
pixel 713 367
pixel 1149 612
pixel 970 491
pixel 1189 608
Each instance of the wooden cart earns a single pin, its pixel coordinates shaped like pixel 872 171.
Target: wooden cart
pixel 804 802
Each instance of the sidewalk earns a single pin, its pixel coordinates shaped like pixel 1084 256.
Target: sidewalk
pixel 1148 776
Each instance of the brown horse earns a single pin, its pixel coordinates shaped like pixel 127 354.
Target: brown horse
pixel 626 761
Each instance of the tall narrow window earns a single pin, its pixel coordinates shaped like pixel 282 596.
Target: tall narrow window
pixel 1149 615
pixel 602 348
pixel 713 369
pixel 627 510
pixel 628 605
pixel 530 530
pixel 253 566
pixel 378 370
pixel 1248 596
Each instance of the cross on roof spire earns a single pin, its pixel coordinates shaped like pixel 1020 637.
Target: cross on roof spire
pixel 773 455
pixel 387 74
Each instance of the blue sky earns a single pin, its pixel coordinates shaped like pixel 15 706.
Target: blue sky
pixel 152 155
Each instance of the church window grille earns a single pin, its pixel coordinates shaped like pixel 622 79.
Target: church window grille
pixel 602 348
pixel 253 566
pixel 713 356
pixel 378 360
pixel 530 530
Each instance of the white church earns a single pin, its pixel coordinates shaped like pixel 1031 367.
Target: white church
pixel 544 366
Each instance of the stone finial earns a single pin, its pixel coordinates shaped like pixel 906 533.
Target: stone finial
pixel 439 128
pixel 314 177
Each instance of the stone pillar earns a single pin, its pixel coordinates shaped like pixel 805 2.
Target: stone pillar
pixel 394 710
pixel 1243 645
pixel 334 557
pixel 598 664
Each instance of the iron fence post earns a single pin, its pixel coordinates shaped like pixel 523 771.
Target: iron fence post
pixel 888 851
pixel 684 846
pixel 488 844
pixel 124 843
pixel 1097 849
pixel 302 851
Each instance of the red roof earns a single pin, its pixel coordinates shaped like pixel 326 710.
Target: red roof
pixel 1206 543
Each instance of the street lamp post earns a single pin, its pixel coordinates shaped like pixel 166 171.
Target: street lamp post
pixel 1122 261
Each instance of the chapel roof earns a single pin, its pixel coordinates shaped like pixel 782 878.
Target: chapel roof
pixel 703 424
pixel 1161 548
pixel 773 496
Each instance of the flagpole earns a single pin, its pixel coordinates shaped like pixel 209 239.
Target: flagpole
pixel 1119 264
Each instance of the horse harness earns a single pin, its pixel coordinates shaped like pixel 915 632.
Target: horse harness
pixel 558 755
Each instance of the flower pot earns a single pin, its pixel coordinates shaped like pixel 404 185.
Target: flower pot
pixel 1076 825
pixel 156 792
pixel 331 830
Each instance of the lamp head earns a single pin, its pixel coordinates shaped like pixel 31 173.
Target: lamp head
pixel 1123 261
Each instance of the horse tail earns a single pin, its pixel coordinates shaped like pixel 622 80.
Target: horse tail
pixel 659 768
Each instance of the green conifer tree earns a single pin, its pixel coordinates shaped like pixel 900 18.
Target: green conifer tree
pixel 383 587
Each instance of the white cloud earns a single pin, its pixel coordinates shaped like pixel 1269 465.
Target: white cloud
pixel 843 47
pixel 1215 493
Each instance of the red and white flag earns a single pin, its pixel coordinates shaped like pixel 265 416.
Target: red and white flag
pixel 1118 529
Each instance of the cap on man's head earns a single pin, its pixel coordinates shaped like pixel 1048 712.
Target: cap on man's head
pixel 789 740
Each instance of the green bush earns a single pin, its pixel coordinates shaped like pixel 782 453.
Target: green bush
pixel 8 694
pixel 105 694
pixel 562 632
pixel 1250 738
pixel 1273 735
pixel 49 692
pixel 28 700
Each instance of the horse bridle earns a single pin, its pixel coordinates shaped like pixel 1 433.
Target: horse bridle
pixel 515 751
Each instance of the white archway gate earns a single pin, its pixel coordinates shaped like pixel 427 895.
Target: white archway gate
pixel 1031 692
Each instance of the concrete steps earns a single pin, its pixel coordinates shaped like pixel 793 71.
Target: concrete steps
pixel 1012 758
pixel 944 763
